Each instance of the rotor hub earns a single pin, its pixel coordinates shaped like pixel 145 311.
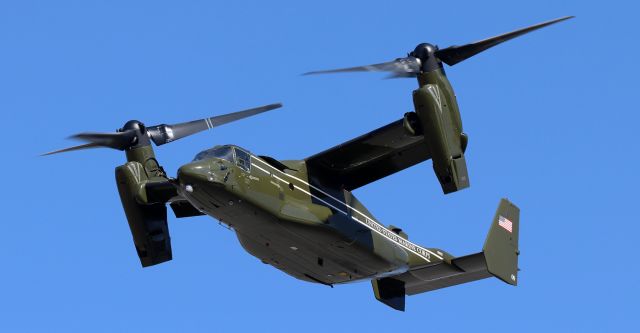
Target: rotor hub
pixel 423 51
pixel 138 134
pixel 428 60
pixel 135 125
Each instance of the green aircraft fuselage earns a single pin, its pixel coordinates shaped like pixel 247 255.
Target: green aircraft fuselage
pixel 309 231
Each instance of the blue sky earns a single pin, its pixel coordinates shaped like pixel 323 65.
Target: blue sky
pixel 552 120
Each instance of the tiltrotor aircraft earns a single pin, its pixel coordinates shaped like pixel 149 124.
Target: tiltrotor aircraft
pixel 300 216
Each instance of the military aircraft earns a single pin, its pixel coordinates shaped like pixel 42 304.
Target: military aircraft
pixel 301 216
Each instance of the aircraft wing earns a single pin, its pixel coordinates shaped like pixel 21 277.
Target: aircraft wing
pixel 369 157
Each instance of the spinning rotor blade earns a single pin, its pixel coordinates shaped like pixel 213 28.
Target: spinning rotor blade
pixel 398 68
pixel 162 134
pixel 455 54
pixel 117 140
pixel 134 132
pixel 80 147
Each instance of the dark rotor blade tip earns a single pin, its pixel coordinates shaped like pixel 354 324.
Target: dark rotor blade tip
pixel 80 147
pixel 558 20
pixel 319 72
pixel 455 54
pixel 77 136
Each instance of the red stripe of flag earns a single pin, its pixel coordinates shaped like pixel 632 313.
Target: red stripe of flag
pixel 505 223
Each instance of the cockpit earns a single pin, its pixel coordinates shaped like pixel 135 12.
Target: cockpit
pixel 232 154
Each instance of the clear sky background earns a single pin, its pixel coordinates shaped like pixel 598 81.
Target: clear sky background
pixel 552 119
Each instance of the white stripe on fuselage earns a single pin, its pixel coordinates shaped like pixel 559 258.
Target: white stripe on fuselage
pixel 369 222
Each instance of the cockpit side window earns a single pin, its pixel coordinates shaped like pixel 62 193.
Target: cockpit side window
pixel 224 152
pixel 243 159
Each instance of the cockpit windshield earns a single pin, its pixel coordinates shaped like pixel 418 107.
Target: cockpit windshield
pixel 223 152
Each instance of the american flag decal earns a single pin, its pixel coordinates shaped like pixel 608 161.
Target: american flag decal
pixel 505 223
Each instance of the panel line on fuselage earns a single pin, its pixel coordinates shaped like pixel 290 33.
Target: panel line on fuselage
pixel 369 222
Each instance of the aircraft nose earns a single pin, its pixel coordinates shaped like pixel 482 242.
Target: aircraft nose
pixel 200 174
pixel 192 173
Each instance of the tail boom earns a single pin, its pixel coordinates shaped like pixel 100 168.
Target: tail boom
pixel 499 258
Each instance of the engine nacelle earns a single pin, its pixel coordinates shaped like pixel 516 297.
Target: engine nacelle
pixel 443 136
pixel 148 222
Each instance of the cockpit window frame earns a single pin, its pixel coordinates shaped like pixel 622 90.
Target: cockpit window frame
pixel 246 161
pixel 228 154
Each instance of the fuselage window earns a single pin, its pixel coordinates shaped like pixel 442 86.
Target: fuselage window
pixel 243 159
pixel 224 152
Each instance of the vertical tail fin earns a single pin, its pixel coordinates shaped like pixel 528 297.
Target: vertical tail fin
pixel 501 246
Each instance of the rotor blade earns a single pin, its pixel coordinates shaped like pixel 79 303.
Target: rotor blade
pixel 80 147
pixel 162 134
pixel 400 66
pixel 455 54
pixel 116 140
